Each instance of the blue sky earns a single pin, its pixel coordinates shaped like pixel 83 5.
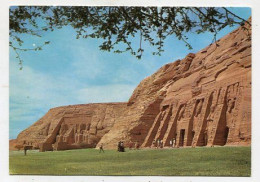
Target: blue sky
pixel 74 71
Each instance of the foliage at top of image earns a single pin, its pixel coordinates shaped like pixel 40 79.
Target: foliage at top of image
pixel 119 25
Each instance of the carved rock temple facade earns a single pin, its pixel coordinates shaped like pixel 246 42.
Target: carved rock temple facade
pixel 213 117
pixel 201 100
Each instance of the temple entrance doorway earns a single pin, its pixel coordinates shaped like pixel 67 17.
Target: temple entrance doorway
pixel 182 134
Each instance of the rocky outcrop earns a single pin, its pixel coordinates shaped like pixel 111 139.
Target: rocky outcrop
pixel 201 100
pixel 72 127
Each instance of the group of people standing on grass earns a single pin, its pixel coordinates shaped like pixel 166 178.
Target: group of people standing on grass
pixel 172 142
pixel 120 147
pixel 159 143
pixel 156 143
pixel 131 145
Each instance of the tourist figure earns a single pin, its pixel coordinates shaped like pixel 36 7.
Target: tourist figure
pixel 173 142
pixel 158 143
pixel 101 148
pixel 27 147
pixel 122 149
pixel 161 144
pixel 119 146
pixel 154 143
pixel 25 150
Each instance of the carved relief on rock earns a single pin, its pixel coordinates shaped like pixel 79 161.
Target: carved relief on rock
pixel 213 115
pixel 213 102
pixel 182 111
pixel 232 97
pixel 196 121
pixel 198 108
pixel 45 130
pixel 197 116
pixel 233 100
pixel 184 116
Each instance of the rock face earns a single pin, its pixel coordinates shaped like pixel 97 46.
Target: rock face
pixel 201 100
pixel 72 127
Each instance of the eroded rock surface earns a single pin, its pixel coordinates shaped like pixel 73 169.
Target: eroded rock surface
pixel 72 127
pixel 201 100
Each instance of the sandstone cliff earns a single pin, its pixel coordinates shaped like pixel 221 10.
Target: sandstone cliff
pixel 204 99
pixel 201 100
pixel 72 127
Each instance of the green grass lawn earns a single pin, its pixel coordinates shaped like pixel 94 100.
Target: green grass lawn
pixel 202 161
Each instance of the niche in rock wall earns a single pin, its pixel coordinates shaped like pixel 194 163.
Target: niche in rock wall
pixel 165 107
pixel 182 135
